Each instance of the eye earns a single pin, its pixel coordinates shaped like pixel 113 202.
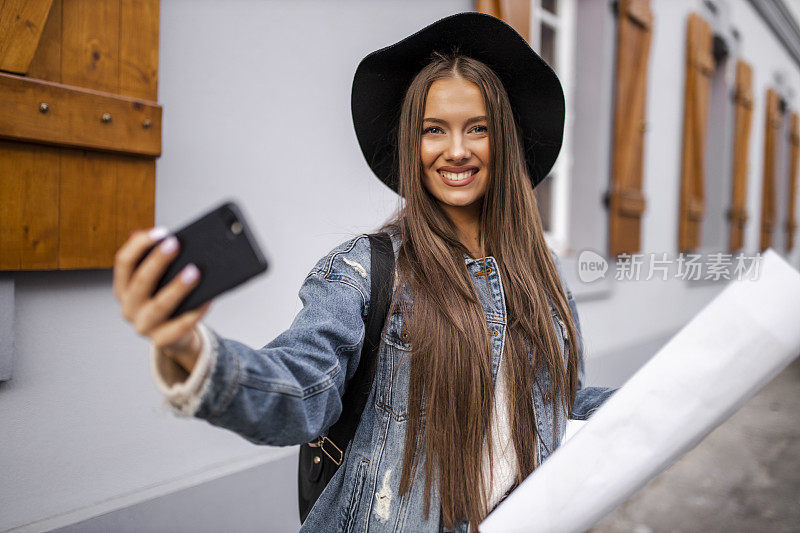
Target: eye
pixel 480 129
pixel 432 129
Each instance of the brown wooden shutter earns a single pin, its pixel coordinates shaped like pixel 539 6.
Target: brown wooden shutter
pixel 74 184
pixel 517 13
pixel 699 69
pixel 743 100
pixel 771 134
pixel 794 146
pixel 21 25
pixel 626 203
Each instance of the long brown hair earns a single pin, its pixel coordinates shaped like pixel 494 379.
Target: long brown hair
pixel 451 372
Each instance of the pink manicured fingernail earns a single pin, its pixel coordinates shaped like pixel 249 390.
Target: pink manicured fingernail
pixel 169 245
pixel 158 232
pixel 189 274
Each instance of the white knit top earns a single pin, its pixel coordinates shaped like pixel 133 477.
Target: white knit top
pixel 504 456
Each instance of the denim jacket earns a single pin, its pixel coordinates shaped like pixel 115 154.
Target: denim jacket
pixel 289 392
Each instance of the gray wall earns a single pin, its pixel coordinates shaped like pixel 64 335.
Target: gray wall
pixel 256 107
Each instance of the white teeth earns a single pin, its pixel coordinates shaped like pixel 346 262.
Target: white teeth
pixel 456 177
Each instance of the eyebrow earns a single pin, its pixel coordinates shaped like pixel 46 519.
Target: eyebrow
pixel 435 120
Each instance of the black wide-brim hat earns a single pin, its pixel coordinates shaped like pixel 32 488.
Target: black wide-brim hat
pixel 382 78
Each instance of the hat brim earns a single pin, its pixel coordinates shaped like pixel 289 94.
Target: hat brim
pixel 535 93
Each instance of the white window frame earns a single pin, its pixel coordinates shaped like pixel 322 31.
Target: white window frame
pixel 564 24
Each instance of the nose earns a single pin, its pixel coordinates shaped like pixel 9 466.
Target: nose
pixel 457 149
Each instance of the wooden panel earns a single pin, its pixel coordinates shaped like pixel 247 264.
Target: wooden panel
pixel 699 69
pixel 41 233
pixel 626 203
pixel 90 44
pixel 40 208
pixel 490 7
pixel 46 64
pixel 98 50
pixel 516 13
pixel 638 12
pixel 10 211
pixel 21 25
pixel 771 132
pixel 87 219
pixel 31 175
pixel 29 211
pixel 90 59
pixel 135 193
pixel 794 145
pixel 138 49
pixel 74 117
pixel 743 100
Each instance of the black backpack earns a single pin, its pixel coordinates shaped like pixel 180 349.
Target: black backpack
pixel 320 459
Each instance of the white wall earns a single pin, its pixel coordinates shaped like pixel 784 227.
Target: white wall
pixel 256 107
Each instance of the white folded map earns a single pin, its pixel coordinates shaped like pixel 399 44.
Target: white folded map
pixel 710 368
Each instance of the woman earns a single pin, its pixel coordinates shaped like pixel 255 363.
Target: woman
pixel 481 359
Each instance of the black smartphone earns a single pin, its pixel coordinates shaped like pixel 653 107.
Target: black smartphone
pixel 222 247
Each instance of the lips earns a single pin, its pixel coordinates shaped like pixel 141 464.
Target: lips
pixel 457 176
pixel 457 170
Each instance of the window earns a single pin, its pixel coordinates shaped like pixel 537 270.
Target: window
pixel 794 152
pixel 719 141
pixel 784 222
pixel 553 37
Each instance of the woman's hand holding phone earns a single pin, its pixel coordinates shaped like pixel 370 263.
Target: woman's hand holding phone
pixel 133 286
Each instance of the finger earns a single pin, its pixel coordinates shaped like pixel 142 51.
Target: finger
pixel 172 331
pixel 157 309
pixel 145 278
pixel 129 253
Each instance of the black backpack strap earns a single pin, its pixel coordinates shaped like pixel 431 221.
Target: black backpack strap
pixel 355 397
pixel 319 460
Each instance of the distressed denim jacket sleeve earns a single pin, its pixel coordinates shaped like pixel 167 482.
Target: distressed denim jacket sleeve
pixel 289 391
pixel 587 399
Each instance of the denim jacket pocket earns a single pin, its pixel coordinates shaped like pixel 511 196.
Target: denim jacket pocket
pixel 395 366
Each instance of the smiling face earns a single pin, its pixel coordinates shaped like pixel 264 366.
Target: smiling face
pixel 454 147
